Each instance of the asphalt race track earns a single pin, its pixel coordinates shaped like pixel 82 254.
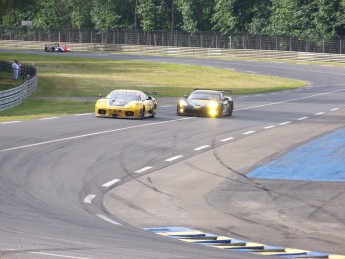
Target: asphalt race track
pixel 85 187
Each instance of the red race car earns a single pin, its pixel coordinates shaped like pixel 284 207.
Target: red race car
pixel 57 48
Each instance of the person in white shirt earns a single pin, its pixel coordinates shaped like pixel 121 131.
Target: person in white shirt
pixel 16 68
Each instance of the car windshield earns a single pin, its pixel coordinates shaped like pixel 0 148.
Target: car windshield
pixel 204 96
pixel 124 96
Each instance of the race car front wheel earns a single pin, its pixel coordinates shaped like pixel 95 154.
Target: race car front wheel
pixel 178 111
pixel 220 111
pixel 142 113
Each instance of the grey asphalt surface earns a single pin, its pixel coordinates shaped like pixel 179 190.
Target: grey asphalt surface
pixel 54 202
pixel 211 192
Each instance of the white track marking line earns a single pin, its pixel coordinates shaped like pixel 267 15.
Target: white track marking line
pixel 59 255
pixel 107 219
pixel 50 118
pixel 269 127
pixel 302 118
pixel 143 169
pixel 173 158
pixel 92 134
pixel 202 147
pixel 276 66
pixel 284 123
pixel 50 254
pixel 50 238
pixel 290 100
pixel 89 198
pixel 319 113
pixel 227 139
pixel 164 106
pixel 10 122
pixel 110 183
pixel 82 114
pixel 334 109
pixel 248 132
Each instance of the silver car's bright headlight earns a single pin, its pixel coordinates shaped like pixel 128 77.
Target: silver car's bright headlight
pixel 183 103
pixel 213 105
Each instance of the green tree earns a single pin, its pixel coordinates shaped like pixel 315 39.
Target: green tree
pixel 156 14
pixel 196 15
pixel 306 19
pixel 128 13
pixel 79 13
pixel 328 18
pixel 104 15
pixel 241 16
pixel 51 16
pixel 13 12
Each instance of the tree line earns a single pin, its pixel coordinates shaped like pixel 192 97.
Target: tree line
pixel 296 18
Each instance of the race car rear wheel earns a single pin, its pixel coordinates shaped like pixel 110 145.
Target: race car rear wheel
pixel 154 110
pixel 231 108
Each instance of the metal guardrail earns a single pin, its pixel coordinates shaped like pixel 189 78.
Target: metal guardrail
pixel 233 41
pixel 186 51
pixel 12 97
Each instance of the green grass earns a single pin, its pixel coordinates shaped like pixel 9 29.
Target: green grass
pixel 62 76
pixel 7 82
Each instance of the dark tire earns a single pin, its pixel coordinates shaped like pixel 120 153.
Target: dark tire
pixel 178 111
pixel 220 112
pixel 231 108
pixel 154 110
pixel 142 113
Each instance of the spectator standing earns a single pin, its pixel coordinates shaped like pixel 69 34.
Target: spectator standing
pixel 15 67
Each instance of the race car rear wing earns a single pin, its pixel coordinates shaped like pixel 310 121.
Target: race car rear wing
pixel 220 90
pixel 151 93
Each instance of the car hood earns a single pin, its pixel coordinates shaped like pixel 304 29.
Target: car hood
pixel 117 102
pixel 198 103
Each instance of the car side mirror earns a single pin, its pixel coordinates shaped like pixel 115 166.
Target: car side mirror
pixel 149 98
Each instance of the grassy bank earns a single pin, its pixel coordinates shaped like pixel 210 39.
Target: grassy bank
pixel 63 76
pixel 7 82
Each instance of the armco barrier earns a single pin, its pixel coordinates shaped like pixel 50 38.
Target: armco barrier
pixel 187 51
pixel 12 97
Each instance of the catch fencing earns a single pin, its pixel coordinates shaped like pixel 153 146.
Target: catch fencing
pixel 14 96
pixel 215 40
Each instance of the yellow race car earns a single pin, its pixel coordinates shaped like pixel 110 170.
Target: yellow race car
pixel 125 103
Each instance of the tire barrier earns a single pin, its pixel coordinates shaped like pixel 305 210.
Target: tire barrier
pixel 13 97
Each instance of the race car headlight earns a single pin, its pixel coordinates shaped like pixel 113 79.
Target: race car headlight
pixel 183 103
pixel 101 102
pixel 213 105
pixel 132 105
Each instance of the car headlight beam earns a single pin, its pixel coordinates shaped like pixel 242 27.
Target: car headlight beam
pixel 183 103
pixel 213 105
